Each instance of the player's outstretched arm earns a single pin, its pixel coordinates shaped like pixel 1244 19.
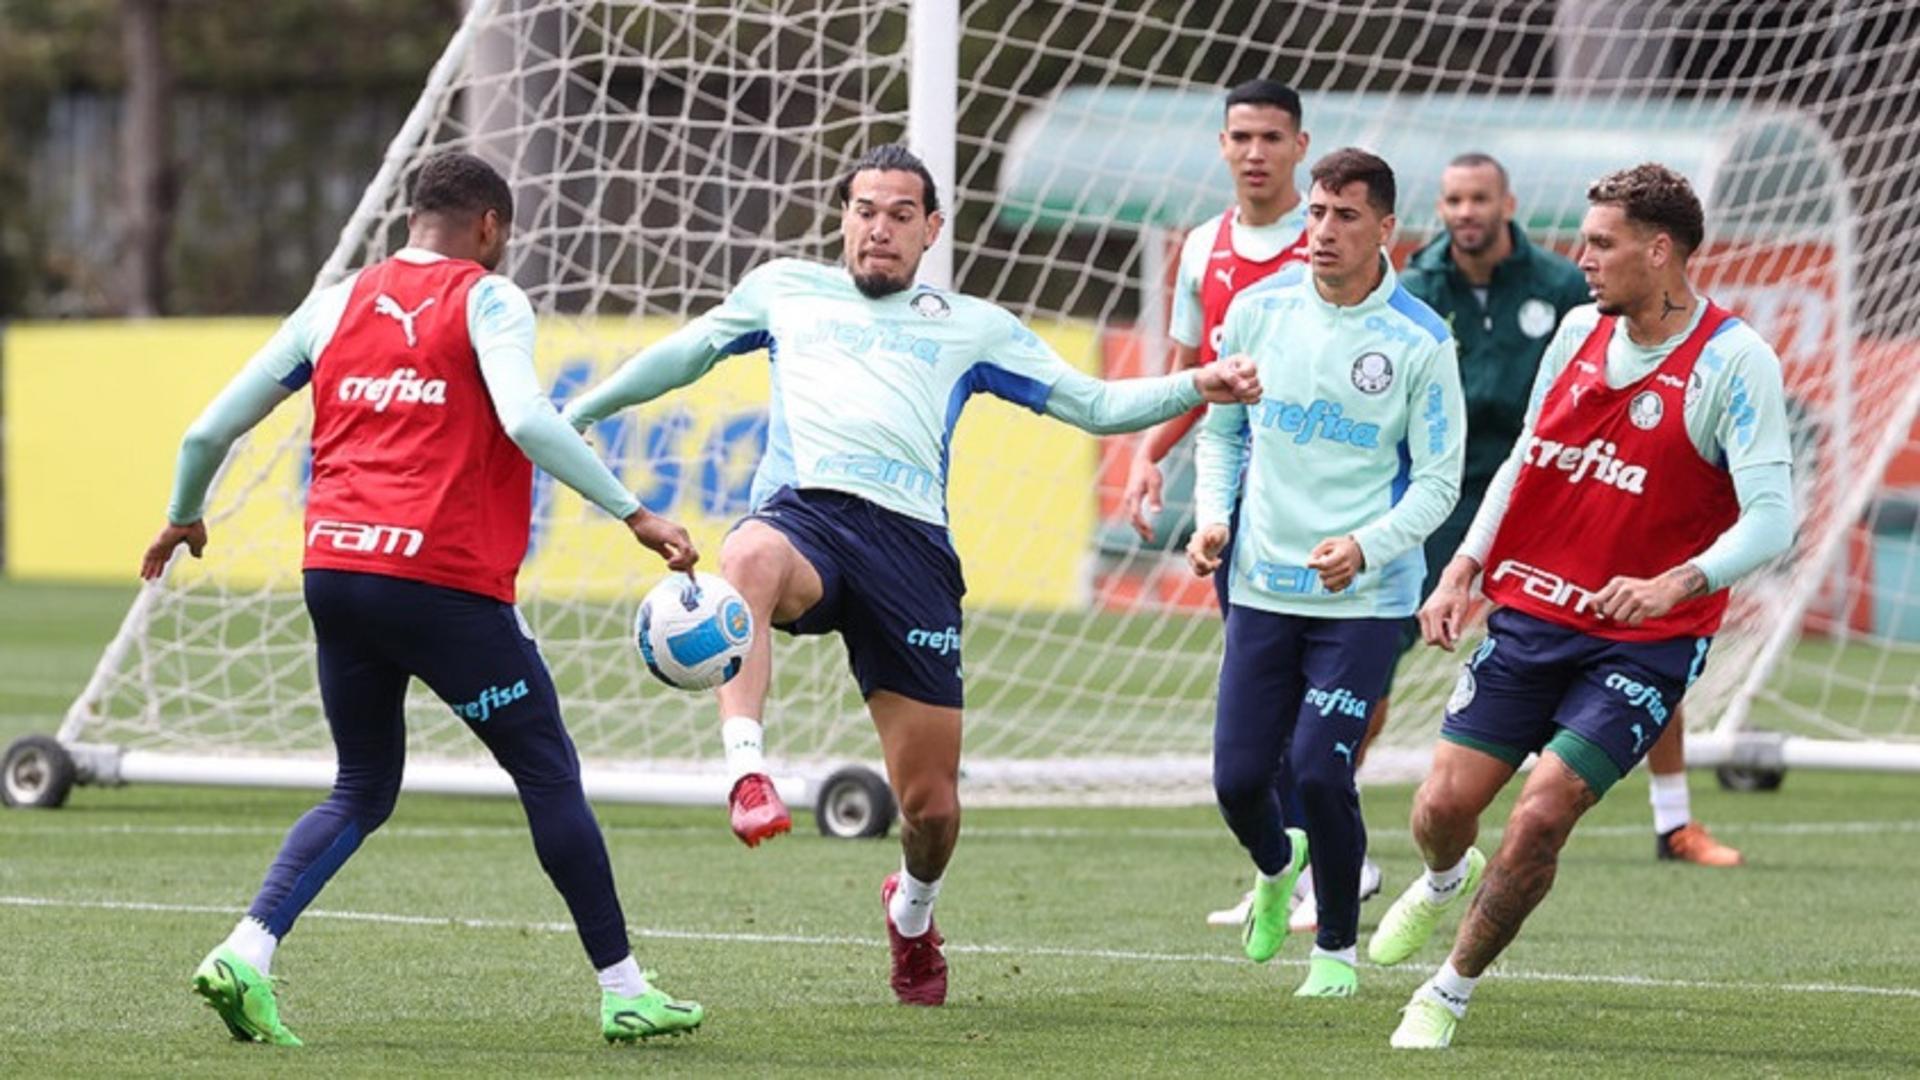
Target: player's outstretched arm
pixel 1114 406
pixel 676 360
pixel 1141 496
pixel 737 326
pixel 1030 373
pixel 501 326
pixel 281 367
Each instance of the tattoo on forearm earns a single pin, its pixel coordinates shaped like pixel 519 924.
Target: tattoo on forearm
pixel 1691 578
pixel 1668 307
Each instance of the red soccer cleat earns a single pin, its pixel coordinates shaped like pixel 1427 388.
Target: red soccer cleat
pixel 756 810
pixel 919 967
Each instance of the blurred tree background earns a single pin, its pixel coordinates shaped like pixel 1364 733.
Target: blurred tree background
pixel 271 120
pixel 200 156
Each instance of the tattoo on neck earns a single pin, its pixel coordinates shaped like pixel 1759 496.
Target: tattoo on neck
pixel 1668 307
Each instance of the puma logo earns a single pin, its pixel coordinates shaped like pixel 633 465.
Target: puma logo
pixel 1225 274
pixel 387 305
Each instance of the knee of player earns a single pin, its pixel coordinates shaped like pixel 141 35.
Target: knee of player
pixel 1323 782
pixel 931 805
pixel 756 564
pixel 1235 784
pixel 371 810
pixel 365 796
pixel 1441 805
pixel 1539 826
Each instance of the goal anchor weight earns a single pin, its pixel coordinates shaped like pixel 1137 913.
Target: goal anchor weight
pixel 37 773
pixel 854 803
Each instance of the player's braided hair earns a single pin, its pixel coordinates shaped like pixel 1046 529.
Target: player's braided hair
pixel 1657 197
pixel 461 185
pixel 890 157
pixel 1354 165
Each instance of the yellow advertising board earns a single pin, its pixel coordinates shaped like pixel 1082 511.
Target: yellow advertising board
pixel 95 412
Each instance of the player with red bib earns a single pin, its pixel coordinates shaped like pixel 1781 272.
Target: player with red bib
pixel 1653 472
pixel 1262 142
pixel 426 413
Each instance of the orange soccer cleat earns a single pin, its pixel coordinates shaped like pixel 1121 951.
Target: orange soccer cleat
pixel 1693 843
pixel 919 967
pixel 756 810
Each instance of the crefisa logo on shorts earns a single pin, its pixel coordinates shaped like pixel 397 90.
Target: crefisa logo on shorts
pixel 490 701
pixel 940 641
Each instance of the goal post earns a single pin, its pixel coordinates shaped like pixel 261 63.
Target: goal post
pixel 659 150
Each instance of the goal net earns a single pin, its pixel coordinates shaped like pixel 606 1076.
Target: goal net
pixel 660 150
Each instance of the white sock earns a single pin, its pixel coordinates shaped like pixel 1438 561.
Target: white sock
pixel 912 905
pixel 254 943
pixel 1672 805
pixel 1349 956
pixel 1303 888
pixel 1450 988
pixel 743 738
pixel 1442 885
pixel 624 979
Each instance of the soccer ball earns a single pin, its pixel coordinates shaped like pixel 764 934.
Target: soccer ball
pixel 693 631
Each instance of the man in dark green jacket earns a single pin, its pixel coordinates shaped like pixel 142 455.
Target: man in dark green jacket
pixel 1504 297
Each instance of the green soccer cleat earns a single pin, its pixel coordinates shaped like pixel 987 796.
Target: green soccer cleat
pixel 1425 1024
pixel 654 1013
pixel 243 997
pixel 1329 977
pixel 1410 921
pixel 1266 925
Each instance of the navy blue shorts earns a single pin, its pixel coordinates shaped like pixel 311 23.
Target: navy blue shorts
pixel 1324 674
pixel 891 586
pixel 1599 704
pixel 476 653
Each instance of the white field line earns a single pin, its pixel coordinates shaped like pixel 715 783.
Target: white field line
pixel 1115 955
pixel 989 832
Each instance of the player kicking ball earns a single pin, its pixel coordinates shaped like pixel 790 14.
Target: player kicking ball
pixel 1653 471
pixel 1349 461
pixel 427 422
pixel 849 528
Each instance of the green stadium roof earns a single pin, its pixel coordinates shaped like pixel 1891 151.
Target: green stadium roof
pixel 1136 157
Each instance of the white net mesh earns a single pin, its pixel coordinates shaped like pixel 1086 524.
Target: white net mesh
pixel 660 150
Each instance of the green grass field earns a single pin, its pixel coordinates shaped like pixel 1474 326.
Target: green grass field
pixel 1076 937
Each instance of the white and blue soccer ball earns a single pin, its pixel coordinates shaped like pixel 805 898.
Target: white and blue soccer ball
pixel 693 631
